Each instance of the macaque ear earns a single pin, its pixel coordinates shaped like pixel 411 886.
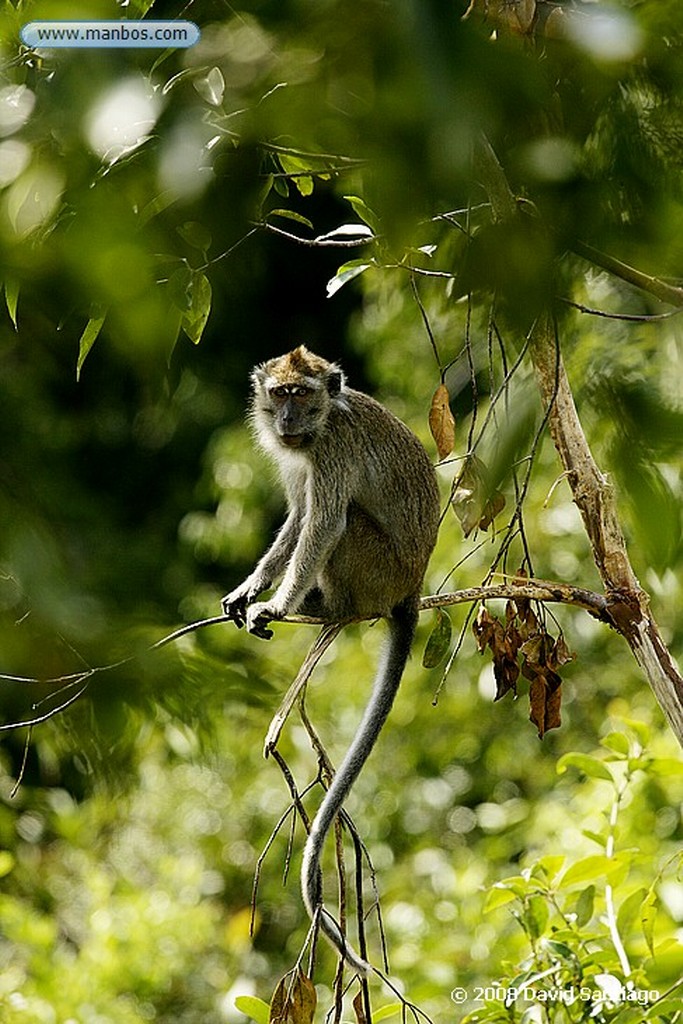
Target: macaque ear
pixel 335 381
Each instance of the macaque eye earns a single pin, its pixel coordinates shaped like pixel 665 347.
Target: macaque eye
pixel 291 391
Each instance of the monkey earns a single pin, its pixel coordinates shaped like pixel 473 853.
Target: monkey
pixel 363 515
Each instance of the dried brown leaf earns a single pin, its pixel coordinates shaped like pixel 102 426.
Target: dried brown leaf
pixel 441 422
pixel 473 502
pixel 545 699
pixel 483 627
pixel 294 1000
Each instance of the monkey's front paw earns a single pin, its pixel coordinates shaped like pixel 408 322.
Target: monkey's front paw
pixel 258 617
pixel 234 605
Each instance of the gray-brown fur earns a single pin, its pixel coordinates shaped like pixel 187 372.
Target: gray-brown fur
pixel 362 523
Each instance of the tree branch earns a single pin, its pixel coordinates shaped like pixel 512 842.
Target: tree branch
pixel 628 607
pixel 646 282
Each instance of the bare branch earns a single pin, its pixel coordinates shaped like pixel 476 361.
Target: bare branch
pixel 321 241
pixel 629 609
pixel 646 282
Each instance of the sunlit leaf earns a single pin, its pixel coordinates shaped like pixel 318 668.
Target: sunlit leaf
pixel 586 869
pixel 304 184
pixel 616 741
pixel 385 1012
pixel 584 906
pixel 346 273
pixel 361 208
pixel 12 299
pixel 194 320
pixel 630 909
pixel 291 215
pixel 211 87
pixel 497 897
pixel 648 916
pixel 253 1008
pixel 590 766
pixel 87 340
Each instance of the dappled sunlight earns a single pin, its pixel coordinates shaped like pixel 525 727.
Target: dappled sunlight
pixel 122 119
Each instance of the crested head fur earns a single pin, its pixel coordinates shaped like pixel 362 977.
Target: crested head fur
pixel 298 366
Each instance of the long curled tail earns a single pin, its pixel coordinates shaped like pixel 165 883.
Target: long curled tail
pixel 402 625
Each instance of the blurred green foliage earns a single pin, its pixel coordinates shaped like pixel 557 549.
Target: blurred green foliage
pixel 139 193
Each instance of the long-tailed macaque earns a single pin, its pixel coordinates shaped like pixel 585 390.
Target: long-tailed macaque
pixel 362 523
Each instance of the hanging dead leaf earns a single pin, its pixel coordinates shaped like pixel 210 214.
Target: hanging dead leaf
pixel 506 674
pixel 473 501
pixel 545 701
pixel 492 508
pixel 523 635
pixel 483 628
pixel 503 644
pixel 560 654
pixel 441 422
pixel 294 1000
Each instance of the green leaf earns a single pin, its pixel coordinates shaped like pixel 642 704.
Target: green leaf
pixel 180 288
pixel 641 730
pixel 549 866
pixel 536 916
pixel 11 299
pixel 559 949
pixel 304 184
pixel 601 840
pixel 516 884
pixel 590 766
pixel 664 766
pixel 346 273
pixel 291 215
pixel 87 340
pixel 584 906
pixel 384 1012
pixel 294 166
pixel 616 741
pixel 361 208
pixel 211 87
pixel 195 234
pixel 439 640
pixel 253 1008
pixel 629 910
pixel 586 869
pixel 648 916
pixel 497 897
pixel 194 320
pixel 665 968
